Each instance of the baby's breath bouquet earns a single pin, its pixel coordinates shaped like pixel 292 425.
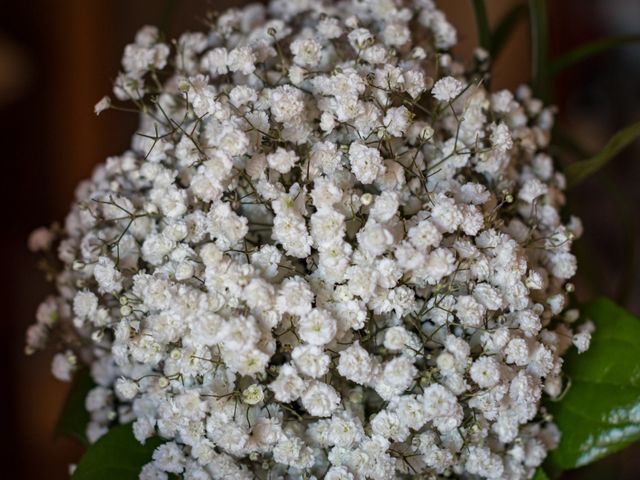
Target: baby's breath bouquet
pixel 331 252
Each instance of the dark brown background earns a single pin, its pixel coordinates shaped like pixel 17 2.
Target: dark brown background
pixel 57 58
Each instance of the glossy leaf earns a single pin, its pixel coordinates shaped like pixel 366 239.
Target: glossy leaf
pixel 589 50
pixel 482 24
pixel 116 455
pixel 506 25
pixel 600 413
pixel 579 171
pixel 74 417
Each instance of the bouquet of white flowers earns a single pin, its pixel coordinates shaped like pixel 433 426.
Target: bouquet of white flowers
pixel 331 252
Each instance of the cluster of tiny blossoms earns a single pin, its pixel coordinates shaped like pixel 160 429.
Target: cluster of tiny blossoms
pixel 330 253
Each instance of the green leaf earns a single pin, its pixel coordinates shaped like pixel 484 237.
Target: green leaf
pixel 506 25
pixel 600 413
pixel 579 171
pixel 116 455
pixel 539 48
pixel 540 475
pixel 482 24
pixel 625 214
pixel 167 15
pixel 74 417
pixel 588 50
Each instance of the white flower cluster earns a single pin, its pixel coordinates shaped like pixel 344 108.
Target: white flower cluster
pixel 330 253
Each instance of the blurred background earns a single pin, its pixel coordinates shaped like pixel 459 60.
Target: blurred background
pixel 58 58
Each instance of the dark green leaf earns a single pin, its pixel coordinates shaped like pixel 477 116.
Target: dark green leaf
pixel 482 24
pixel 578 171
pixel 167 14
pixel 588 50
pixel 540 475
pixel 506 26
pixel 600 414
pixel 74 417
pixel 116 455
pixel 625 214
pixel 539 48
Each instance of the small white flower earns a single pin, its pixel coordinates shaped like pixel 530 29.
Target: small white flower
pixel 397 121
pixel 320 399
pixel 282 160
pixel 447 89
pixel 441 407
pixel 317 327
pixel 366 162
pixel 288 386
pixel 253 394
pixel 241 60
pixel 485 372
pixel 85 304
pixel 581 341
pixel 531 190
pixel 356 365
pixel 102 105
pixel 306 52
pixel 303 260
pixel 63 365
pixel 168 457
pixel 126 388
pixel 310 360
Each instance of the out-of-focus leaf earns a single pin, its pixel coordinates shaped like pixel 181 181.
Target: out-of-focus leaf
pixel 74 417
pixel 588 50
pixel 579 171
pixel 600 414
pixel 482 24
pixel 167 14
pixel 539 48
pixel 116 455
pixel 506 26
pixel 540 475
pixel 625 214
